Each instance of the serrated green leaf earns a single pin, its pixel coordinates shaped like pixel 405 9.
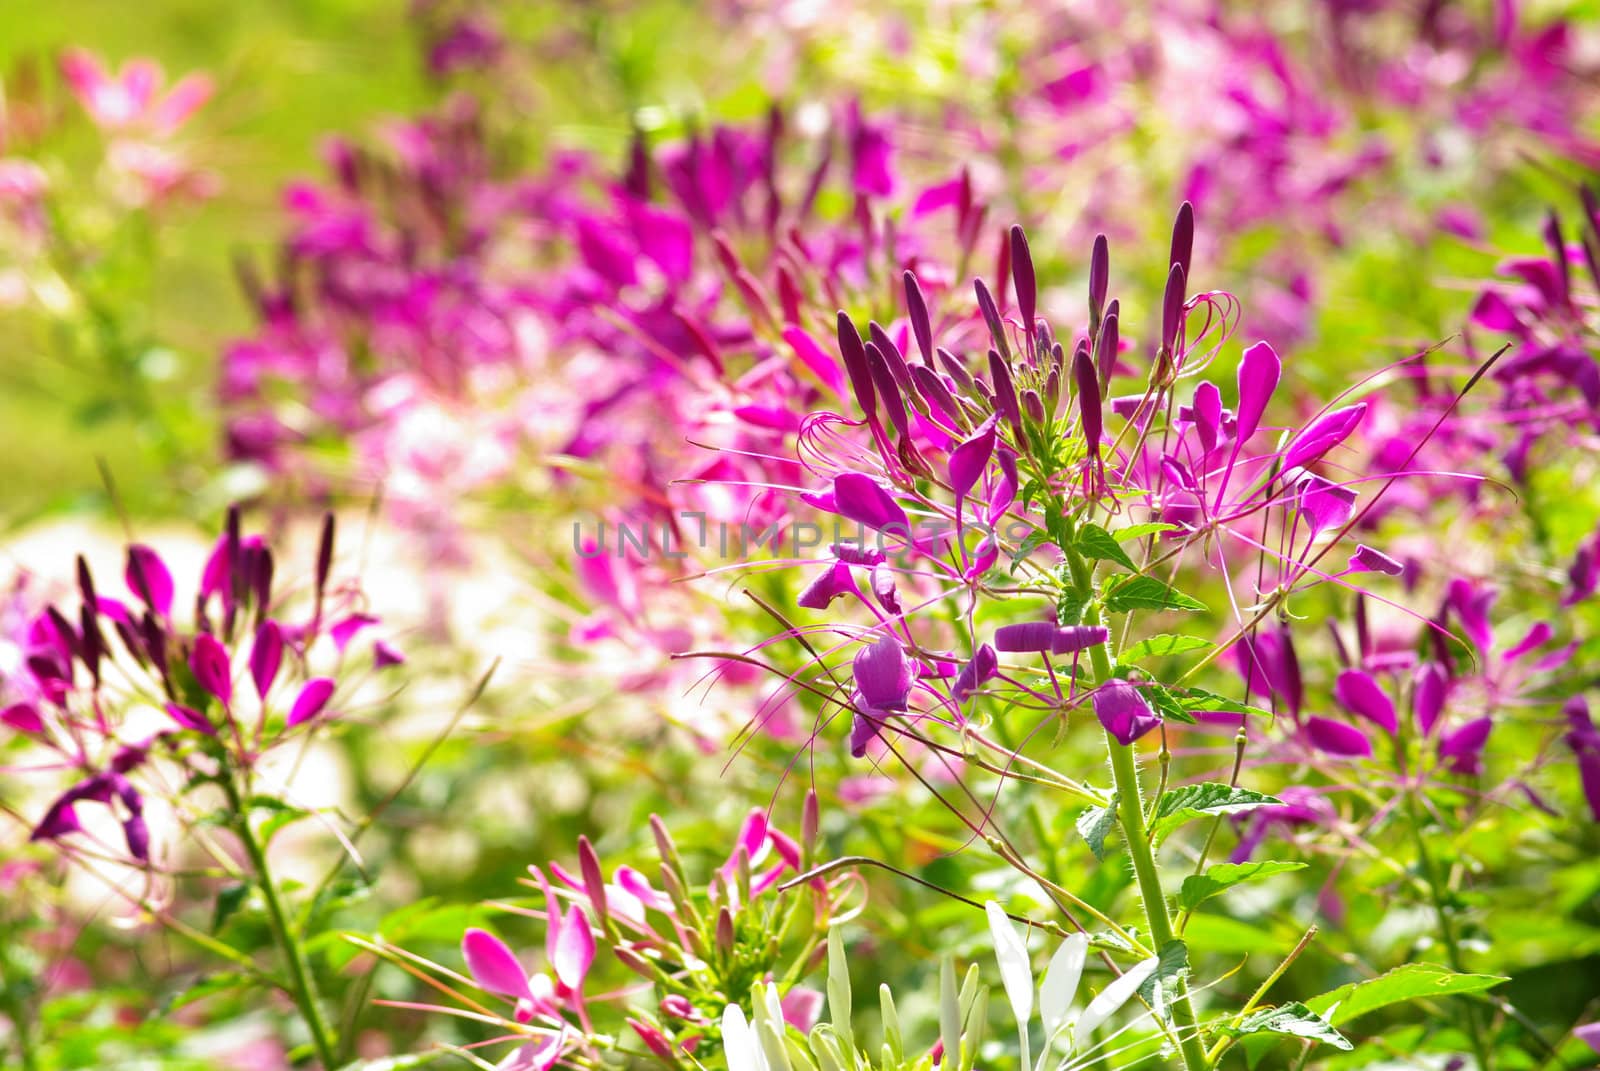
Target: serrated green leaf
pixel 1167 704
pixel 1139 531
pixel 1124 593
pixel 1413 981
pixel 1198 699
pixel 1206 799
pixel 1029 545
pixel 1095 542
pixel 1094 824
pixel 1161 647
pixel 1069 607
pixel 1198 888
pixel 1172 966
pixel 1295 1020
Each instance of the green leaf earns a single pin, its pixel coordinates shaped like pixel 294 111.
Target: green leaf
pixel 1095 542
pixel 1167 704
pixel 1199 699
pixel 229 900
pixel 1093 825
pixel 1172 965
pixel 1414 981
pixel 1139 531
pixel 1295 1020
pixel 1162 646
pixel 1199 801
pixel 1198 888
pixel 1123 593
pixel 207 986
pixel 1029 545
pixel 1069 607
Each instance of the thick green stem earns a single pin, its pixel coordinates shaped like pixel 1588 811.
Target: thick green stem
pixel 302 984
pixel 1130 812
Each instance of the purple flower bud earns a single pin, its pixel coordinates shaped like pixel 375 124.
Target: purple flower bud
pixel 1182 249
pixel 1366 559
pixel 1461 751
pixel 862 730
pixel 137 835
pixel 976 673
pixel 1430 685
pixel 1358 693
pixel 148 578
pixel 883 587
pixel 942 405
pixel 385 655
pixel 889 391
pixel 1099 277
pixel 1106 345
pixel 917 313
pixel 1470 602
pixel 833 583
pixel 1558 257
pixel 891 355
pixel 1030 637
pixel 854 354
pixel 955 368
pixel 209 662
pixel 313 697
pixel 1071 639
pixel 1123 711
pixel 859 498
pixel 1023 279
pixel 991 316
pixel 1172 311
pixel 851 554
pixel 1033 405
pixel 883 675
pixel 1005 393
pixel 1090 415
pixel 266 654
pixel 1337 738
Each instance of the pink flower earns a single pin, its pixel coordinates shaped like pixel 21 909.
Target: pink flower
pixel 131 99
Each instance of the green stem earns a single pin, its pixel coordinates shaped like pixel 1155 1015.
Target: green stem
pixel 1447 930
pixel 1130 813
pixel 302 985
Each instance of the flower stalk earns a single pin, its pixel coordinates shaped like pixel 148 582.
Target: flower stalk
pixel 302 983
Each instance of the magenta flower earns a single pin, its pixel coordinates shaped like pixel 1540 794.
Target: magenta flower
pixel 1123 711
pixel 883 680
